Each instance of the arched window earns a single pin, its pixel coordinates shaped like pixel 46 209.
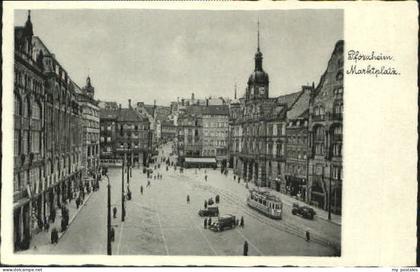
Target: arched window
pixel 18 105
pixel 338 130
pixel 36 111
pixel 27 107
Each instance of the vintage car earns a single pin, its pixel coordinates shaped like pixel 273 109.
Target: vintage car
pixel 210 211
pixel 304 211
pixel 227 221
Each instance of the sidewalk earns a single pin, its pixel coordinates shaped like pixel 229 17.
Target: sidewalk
pixel 289 200
pixel 41 241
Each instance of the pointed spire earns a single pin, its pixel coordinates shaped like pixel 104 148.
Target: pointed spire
pixel 29 15
pixel 235 90
pixel 258 35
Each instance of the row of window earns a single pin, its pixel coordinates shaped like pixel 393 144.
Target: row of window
pixel 215 133
pixel 336 149
pixel 216 124
pixel 28 82
pixel 298 139
pixel 23 140
pixel 27 107
pixel 296 169
pixel 215 142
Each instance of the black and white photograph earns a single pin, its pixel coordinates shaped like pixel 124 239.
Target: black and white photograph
pixel 177 132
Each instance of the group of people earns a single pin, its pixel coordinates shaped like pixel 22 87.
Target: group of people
pixel 65 217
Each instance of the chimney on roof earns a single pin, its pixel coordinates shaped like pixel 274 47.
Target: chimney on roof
pixel 129 103
pixel 192 96
pixel 207 102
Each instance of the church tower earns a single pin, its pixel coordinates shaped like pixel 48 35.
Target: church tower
pixel 89 90
pixel 258 81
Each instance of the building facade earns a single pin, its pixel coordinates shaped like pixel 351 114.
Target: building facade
pixel 169 131
pixel 90 117
pixel 258 131
pixel 124 133
pixel 326 136
pixel 47 144
pixel 190 140
pixel 215 120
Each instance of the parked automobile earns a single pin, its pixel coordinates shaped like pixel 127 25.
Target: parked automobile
pixel 304 211
pixel 210 211
pixel 224 222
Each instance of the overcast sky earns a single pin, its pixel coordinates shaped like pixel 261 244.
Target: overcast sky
pixel 157 54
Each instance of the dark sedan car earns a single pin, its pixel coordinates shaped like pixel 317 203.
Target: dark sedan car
pixel 304 211
pixel 210 211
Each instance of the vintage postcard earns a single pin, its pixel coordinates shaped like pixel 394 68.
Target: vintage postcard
pixel 200 133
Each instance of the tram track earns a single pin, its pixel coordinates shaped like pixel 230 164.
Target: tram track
pixel 278 225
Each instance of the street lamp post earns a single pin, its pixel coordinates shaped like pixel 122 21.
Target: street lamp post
pixel 108 241
pixel 122 191
pixel 329 198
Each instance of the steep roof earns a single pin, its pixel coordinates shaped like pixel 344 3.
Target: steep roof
pixel 162 112
pixel 130 115
pixel 108 113
pixel 300 106
pixel 207 110
pixel 289 99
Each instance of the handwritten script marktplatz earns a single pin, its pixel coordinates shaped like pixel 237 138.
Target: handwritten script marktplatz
pixel 373 63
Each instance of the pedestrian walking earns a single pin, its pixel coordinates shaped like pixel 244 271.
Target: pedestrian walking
pixel 205 223
pixel 246 248
pixel 114 212
pixel 77 202
pixel 141 189
pixel 148 183
pixel 52 215
pixel 239 180
pixel 217 198
pixel 54 236
pixel 209 221
pixel 234 177
pixel 205 177
pixel 242 222
pixel 236 222
pixel 205 204
pixel 308 235
pixel 188 199
pixel 63 224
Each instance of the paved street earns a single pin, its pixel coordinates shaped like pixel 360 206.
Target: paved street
pixel 160 222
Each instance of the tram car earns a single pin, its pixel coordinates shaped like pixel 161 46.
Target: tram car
pixel 265 203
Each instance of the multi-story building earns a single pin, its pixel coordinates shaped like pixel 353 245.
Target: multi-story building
pixel 326 138
pixel 215 120
pixel 296 172
pixel 47 144
pixel 108 123
pixel 203 132
pixel 90 116
pixel 258 132
pixel 125 133
pixel 169 131
pixel 190 140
